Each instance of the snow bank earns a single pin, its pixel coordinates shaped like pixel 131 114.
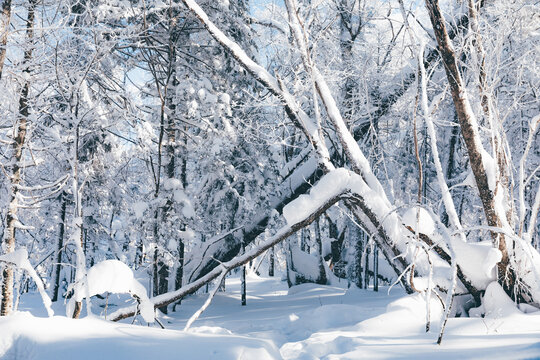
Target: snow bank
pixel 112 276
pixel 23 336
pixel 403 316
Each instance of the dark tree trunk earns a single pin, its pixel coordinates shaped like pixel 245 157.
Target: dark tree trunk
pixel 163 287
pixel 318 241
pixel 59 246
pixel 271 262
pixel 375 268
pixel 243 284
pixel 366 266
pixel 358 251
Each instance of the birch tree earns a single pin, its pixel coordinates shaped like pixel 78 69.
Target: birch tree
pixel 18 144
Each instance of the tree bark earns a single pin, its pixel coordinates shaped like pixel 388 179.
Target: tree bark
pixel 471 136
pixel 59 246
pixel 243 285
pixel 271 262
pixel 17 146
pixel 5 19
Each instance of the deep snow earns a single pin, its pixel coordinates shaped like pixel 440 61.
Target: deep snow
pixel 305 322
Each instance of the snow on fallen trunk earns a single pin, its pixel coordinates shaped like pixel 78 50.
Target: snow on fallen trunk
pixel 477 261
pixel 111 276
pixel 323 203
pixel 335 182
pixel 19 258
pixel 419 220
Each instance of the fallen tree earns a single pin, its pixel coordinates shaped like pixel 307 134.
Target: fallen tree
pixel 368 202
pixel 303 171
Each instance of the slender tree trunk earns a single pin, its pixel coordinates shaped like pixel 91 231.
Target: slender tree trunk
pixel 318 240
pixel 243 284
pixel 17 147
pixel 366 266
pixel 163 286
pixel 375 268
pixel 305 240
pixel 497 142
pixel 59 246
pixel 357 235
pixel 77 189
pixel 271 262
pixel 155 278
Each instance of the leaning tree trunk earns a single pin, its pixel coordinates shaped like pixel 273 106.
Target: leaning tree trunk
pixel 18 147
pixel 469 130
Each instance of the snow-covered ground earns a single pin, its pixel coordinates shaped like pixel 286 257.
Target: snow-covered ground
pixel 306 322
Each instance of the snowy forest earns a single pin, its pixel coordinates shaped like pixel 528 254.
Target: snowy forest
pixel 297 179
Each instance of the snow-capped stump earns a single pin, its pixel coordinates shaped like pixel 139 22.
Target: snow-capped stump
pixel 115 277
pixel 305 268
pixel 497 303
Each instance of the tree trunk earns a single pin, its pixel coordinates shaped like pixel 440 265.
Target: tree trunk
pixel 271 262
pixel 375 268
pixel 357 235
pixel 163 285
pixel 17 148
pixel 5 19
pixel 59 246
pixel 243 284
pixel 318 241
pixel 469 130
pixel 366 265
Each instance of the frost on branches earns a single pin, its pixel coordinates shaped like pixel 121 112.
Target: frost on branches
pixel 163 150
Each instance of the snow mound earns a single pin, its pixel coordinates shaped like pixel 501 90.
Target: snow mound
pixel 478 261
pixel 23 336
pixel 305 264
pixel 497 303
pixel 116 277
pixel 407 316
